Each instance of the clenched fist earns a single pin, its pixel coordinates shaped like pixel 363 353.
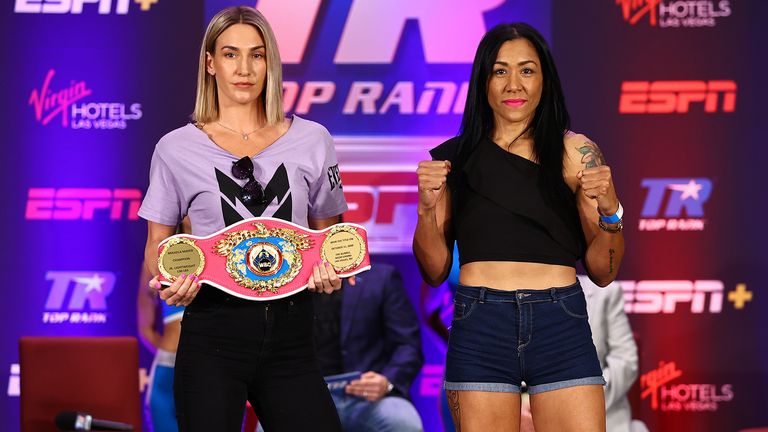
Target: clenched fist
pixel 432 180
pixel 597 183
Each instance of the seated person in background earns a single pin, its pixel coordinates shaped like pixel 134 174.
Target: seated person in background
pixel 616 350
pixel 371 328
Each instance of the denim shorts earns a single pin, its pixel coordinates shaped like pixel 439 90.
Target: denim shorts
pixel 500 338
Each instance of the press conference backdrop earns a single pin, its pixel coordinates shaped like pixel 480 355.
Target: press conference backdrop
pixel 672 91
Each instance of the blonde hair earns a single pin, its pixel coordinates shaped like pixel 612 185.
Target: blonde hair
pixel 207 101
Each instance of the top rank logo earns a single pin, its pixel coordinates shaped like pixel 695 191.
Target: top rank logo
pixel 402 91
pixel 49 102
pixel 76 6
pixel 686 197
pixel 87 293
pixel 681 13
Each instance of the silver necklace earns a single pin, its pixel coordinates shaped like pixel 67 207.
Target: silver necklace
pixel 242 134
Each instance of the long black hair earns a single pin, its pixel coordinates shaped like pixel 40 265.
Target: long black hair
pixel 550 120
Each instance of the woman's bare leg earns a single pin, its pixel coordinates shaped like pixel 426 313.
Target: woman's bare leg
pixel 572 409
pixel 478 411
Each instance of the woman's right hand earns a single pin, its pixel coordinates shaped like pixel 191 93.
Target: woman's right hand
pixel 432 180
pixel 180 293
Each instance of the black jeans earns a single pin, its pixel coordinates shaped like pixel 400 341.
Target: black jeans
pixel 233 349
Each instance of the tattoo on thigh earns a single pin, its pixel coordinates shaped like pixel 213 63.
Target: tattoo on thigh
pixel 610 253
pixel 453 403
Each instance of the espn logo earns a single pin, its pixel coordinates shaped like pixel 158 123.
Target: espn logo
pixel 665 97
pixel 374 197
pixel 82 204
pixel 662 296
pixel 385 202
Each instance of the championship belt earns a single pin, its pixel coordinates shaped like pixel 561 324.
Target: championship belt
pixel 263 258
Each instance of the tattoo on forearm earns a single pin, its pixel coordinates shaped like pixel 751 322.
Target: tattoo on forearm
pixel 591 156
pixel 610 253
pixel 453 404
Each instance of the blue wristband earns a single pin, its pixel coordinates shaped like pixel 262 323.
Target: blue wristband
pixel 615 218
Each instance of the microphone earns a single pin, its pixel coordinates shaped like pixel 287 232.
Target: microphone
pixel 76 421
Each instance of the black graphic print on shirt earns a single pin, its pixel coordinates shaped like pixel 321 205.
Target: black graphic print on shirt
pixel 334 177
pixel 277 188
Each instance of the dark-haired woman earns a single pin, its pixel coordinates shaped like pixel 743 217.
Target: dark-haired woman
pixel 524 198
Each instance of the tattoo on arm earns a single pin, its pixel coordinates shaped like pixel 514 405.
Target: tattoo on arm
pixel 591 156
pixel 610 253
pixel 453 404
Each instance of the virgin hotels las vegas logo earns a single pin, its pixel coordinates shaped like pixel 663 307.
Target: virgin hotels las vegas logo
pixel 675 13
pixel 657 386
pixel 50 102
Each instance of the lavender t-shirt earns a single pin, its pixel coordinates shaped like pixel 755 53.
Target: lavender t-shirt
pixel 191 175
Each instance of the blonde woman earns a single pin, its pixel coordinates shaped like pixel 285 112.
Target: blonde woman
pixel 242 158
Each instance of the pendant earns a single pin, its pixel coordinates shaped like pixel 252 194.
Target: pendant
pixel 245 137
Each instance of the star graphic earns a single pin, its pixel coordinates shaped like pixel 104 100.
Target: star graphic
pixel 92 283
pixel 689 190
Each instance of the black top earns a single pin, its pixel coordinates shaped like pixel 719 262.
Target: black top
pixel 501 213
pixel 328 332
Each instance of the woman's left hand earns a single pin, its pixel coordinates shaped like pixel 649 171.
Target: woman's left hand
pixel 324 278
pixel 597 184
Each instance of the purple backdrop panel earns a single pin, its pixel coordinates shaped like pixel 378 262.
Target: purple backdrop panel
pixel 669 90
pixel 93 88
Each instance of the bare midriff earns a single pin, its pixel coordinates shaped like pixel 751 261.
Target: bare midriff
pixel 510 275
